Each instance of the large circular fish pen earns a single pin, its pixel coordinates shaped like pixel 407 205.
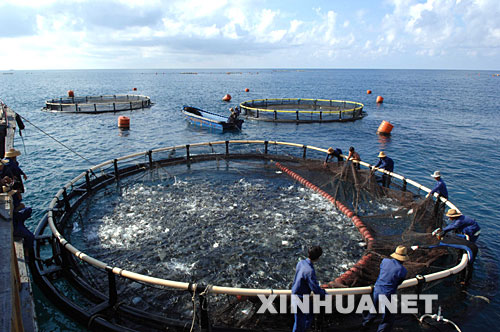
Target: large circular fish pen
pixel 185 237
pixel 302 110
pixel 97 104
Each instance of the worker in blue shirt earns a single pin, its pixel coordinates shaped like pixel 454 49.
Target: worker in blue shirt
pixel 16 172
pixel 386 163
pixel 304 283
pixel 440 186
pixel 392 274
pixel 334 153
pixel 462 224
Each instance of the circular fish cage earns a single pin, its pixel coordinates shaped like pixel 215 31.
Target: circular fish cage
pixel 189 236
pixel 97 104
pixel 301 110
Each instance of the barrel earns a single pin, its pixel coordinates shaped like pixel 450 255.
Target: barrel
pixel 385 128
pixel 124 122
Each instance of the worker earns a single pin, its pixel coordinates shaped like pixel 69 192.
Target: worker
pixel 17 173
pixel 386 163
pixel 233 117
pixel 331 152
pixel 392 274
pixel 353 155
pixel 440 186
pixel 461 224
pixel 304 283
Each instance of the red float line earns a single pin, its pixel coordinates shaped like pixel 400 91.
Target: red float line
pixel 363 230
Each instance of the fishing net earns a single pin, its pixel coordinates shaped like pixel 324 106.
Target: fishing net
pixel 302 110
pixel 97 104
pixel 211 204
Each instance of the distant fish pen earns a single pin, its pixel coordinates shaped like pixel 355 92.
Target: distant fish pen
pixel 97 104
pixel 300 110
pixel 130 295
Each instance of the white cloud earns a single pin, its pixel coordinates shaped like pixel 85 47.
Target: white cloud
pixel 84 32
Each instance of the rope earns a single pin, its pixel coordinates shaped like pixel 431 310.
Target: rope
pixel 47 134
pixel 438 317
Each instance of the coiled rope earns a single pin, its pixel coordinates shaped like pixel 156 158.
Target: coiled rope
pixel 438 317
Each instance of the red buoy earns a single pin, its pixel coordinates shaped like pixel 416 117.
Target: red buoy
pixel 71 93
pixel 368 92
pixel 123 122
pixel 247 90
pixel 134 89
pixel 227 97
pixel 385 128
pixel 380 100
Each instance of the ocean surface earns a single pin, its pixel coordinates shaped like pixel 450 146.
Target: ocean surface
pixel 443 120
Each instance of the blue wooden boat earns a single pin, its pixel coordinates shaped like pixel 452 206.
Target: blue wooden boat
pixel 199 117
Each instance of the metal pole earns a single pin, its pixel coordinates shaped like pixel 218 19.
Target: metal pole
pixel 67 206
pixel 113 295
pixel 266 143
pixel 87 181
pixel 227 148
pixel 115 164
pixel 304 153
pixel 150 157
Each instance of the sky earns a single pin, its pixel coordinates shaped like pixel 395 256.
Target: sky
pixel 153 34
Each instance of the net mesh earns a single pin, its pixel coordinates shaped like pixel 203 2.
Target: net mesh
pixel 393 216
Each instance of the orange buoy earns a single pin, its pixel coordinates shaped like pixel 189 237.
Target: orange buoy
pixel 227 97
pixel 380 99
pixel 385 128
pixel 368 92
pixel 71 93
pixel 134 89
pixel 247 90
pixel 123 122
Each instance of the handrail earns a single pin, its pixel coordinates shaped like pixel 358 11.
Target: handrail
pixel 221 289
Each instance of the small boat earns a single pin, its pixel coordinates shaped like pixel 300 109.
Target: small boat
pixel 203 118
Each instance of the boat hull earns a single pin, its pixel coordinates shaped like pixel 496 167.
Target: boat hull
pixel 204 119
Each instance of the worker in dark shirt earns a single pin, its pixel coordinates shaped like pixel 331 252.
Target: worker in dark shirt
pixel 462 224
pixel 14 170
pixel 386 163
pixel 334 153
pixel 392 274
pixel 304 283
pixel 440 186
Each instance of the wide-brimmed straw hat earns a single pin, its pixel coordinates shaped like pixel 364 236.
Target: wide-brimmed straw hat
pixel 437 174
pixel 330 150
pixel 382 154
pixel 453 213
pixel 12 153
pixel 401 254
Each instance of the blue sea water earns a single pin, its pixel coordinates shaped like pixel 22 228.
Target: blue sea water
pixel 443 120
